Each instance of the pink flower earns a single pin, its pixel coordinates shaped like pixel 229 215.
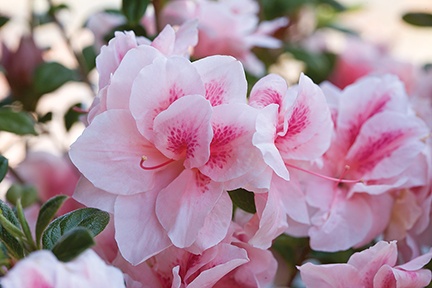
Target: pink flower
pixel 161 162
pixel 51 175
pixel 231 263
pixel 377 141
pixel 294 126
pixel 359 59
pixel 227 27
pixel 20 66
pixel 41 269
pixel 371 268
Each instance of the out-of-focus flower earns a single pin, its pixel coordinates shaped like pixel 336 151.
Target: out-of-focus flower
pixel 227 27
pixel 101 25
pixel 372 268
pixel 360 58
pixel 51 175
pixel 42 269
pixel 19 69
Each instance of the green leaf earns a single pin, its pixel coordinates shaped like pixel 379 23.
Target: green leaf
pixel 134 10
pixel 72 116
pixel 334 4
pixel 27 193
pixel 73 243
pixel 3 20
pixel 4 166
pixel 47 212
pixel 243 199
pixel 93 219
pixel 50 76
pixel 13 246
pixel 89 56
pixel 55 8
pixel 418 19
pixel 20 123
pixel 25 226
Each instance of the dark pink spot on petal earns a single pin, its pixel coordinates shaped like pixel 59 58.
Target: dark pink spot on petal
pixel 215 92
pixel 298 122
pixel 267 97
pixel 182 139
pixel 202 182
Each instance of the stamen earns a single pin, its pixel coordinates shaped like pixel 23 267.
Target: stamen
pixel 340 180
pixel 144 158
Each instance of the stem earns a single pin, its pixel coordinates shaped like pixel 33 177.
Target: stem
pixel 324 176
pixel 157 5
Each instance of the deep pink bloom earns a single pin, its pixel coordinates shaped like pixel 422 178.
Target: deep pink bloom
pixel 372 268
pixel 227 27
pixel 41 269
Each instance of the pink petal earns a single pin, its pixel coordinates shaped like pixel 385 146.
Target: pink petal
pixel 158 85
pixel 383 279
pixel 87 194
pixel 309 126
pixel 183 206
pixel 329 275
pixel 184 130
pixel 224 79
pixel 139 234
pixel 164 42
pixel 119 90
pixel 369 261
pixel 215 226
pixel 416 263
pixel 346 224
pixel 412 279
pixel 270 89
pixel 264 140
pixel 186 37
pixel 231 151
pixel 109 151
pixel 386 145
pixel 228 258
pixel 366 98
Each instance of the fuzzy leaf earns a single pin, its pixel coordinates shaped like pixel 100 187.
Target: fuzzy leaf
pixel 134 10
pixel 73 243
pixel 418 19
pixel 93 219
pixel 4 166
pixel 47 213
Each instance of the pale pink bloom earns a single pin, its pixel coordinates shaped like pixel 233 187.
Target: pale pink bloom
pixel 228 27
pixel 377 141
pixel 360 58
pixel 51 175
pixel 294 126
pixel 372 268
pixel 41 269
pixel 168 156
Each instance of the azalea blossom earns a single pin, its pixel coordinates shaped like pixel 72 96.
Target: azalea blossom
pixel 294 127
pixel 42 269
pixel 372 268
pixel 377 141
pixel 176 135
pixel 228 27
